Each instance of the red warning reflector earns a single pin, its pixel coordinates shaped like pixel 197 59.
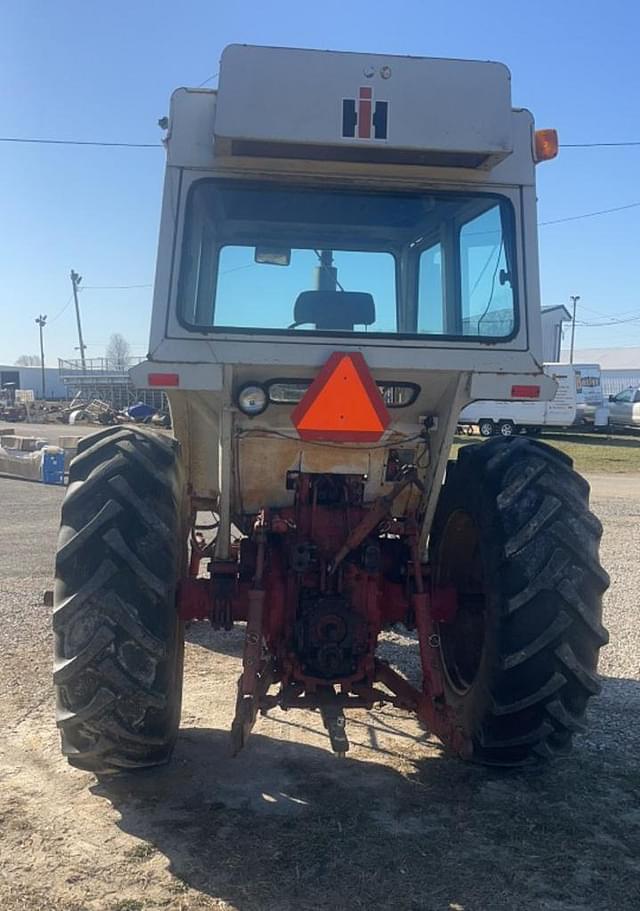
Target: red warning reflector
pixel 163 379
pixel 525 392
pixel 343 404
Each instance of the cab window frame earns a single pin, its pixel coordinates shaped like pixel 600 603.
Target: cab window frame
pixel 406 276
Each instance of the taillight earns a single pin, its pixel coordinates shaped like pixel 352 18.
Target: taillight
pixel 525 392
pixel 163 379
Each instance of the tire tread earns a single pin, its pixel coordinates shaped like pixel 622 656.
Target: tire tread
pixel 548 582
pixel 118 640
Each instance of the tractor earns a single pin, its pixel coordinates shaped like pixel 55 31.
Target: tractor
pixel 347 257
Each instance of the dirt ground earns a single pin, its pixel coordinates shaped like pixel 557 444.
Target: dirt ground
pixel 398 825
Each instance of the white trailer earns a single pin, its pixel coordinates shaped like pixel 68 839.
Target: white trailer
pixel 589 395
pixel 507 418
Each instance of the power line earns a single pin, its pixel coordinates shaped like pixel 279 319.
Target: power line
pixel 238 268
pixel 610 322
pixel 93 288
pixel 609 319
pixel 610 315
pixel 557 221
pixel 60 312
pixel 100 342
pixel 159 145
pixel 597 145
pixel 113 287
pixel 208 79
pixel 84 142
pixel 598 312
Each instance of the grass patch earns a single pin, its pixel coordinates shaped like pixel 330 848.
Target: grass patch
pixel 589 451
pixel 179 886
pixel 141 851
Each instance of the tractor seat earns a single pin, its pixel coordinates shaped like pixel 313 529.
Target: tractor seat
pixel 336 310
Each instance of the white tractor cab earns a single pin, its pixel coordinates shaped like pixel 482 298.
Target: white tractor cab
pixel 347 257
pixel 527 416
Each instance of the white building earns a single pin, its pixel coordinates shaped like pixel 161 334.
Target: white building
pixel 31 378
pixel 552 319
pixel 620 366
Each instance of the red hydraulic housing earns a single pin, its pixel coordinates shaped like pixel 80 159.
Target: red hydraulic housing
pixel 316 584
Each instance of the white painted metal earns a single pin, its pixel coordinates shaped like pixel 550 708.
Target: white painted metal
pixel 225 442
pixel 191 157
pixel 439 450
pixel 272 101
pixel 295 96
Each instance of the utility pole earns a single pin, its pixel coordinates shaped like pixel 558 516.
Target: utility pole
pixel 574 298
pixel 326 272
pixel 75 281
pixel 42 321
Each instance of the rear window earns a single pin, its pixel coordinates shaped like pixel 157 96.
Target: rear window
pixel 258 258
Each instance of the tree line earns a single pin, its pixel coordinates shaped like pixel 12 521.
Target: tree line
pixel 117 354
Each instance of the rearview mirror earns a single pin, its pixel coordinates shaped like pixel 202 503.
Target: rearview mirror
pixel 273 256
pixel 611 398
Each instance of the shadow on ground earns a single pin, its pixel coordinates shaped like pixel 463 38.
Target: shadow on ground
pixel 287 826
pixel 393 645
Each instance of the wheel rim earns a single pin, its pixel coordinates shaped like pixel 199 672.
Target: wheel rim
pixel 460 564
pixel 486 429
pixel 506 430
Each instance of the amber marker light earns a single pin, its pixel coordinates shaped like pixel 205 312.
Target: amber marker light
pixel 545 145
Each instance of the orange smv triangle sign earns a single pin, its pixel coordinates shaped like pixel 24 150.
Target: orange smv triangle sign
pixel 343 404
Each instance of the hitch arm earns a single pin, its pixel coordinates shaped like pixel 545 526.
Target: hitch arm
pixel 379 510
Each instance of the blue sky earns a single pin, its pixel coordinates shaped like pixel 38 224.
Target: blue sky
pixel 105 71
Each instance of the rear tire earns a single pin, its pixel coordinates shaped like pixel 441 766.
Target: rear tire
pixel 486 428
pixel 118 637
pixel 507 428
pixel 513 533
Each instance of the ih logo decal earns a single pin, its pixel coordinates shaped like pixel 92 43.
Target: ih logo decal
pixel 362 118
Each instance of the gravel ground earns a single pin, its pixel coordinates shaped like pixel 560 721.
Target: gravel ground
pixel 29 518
pixel 398 826
pixel 616 501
